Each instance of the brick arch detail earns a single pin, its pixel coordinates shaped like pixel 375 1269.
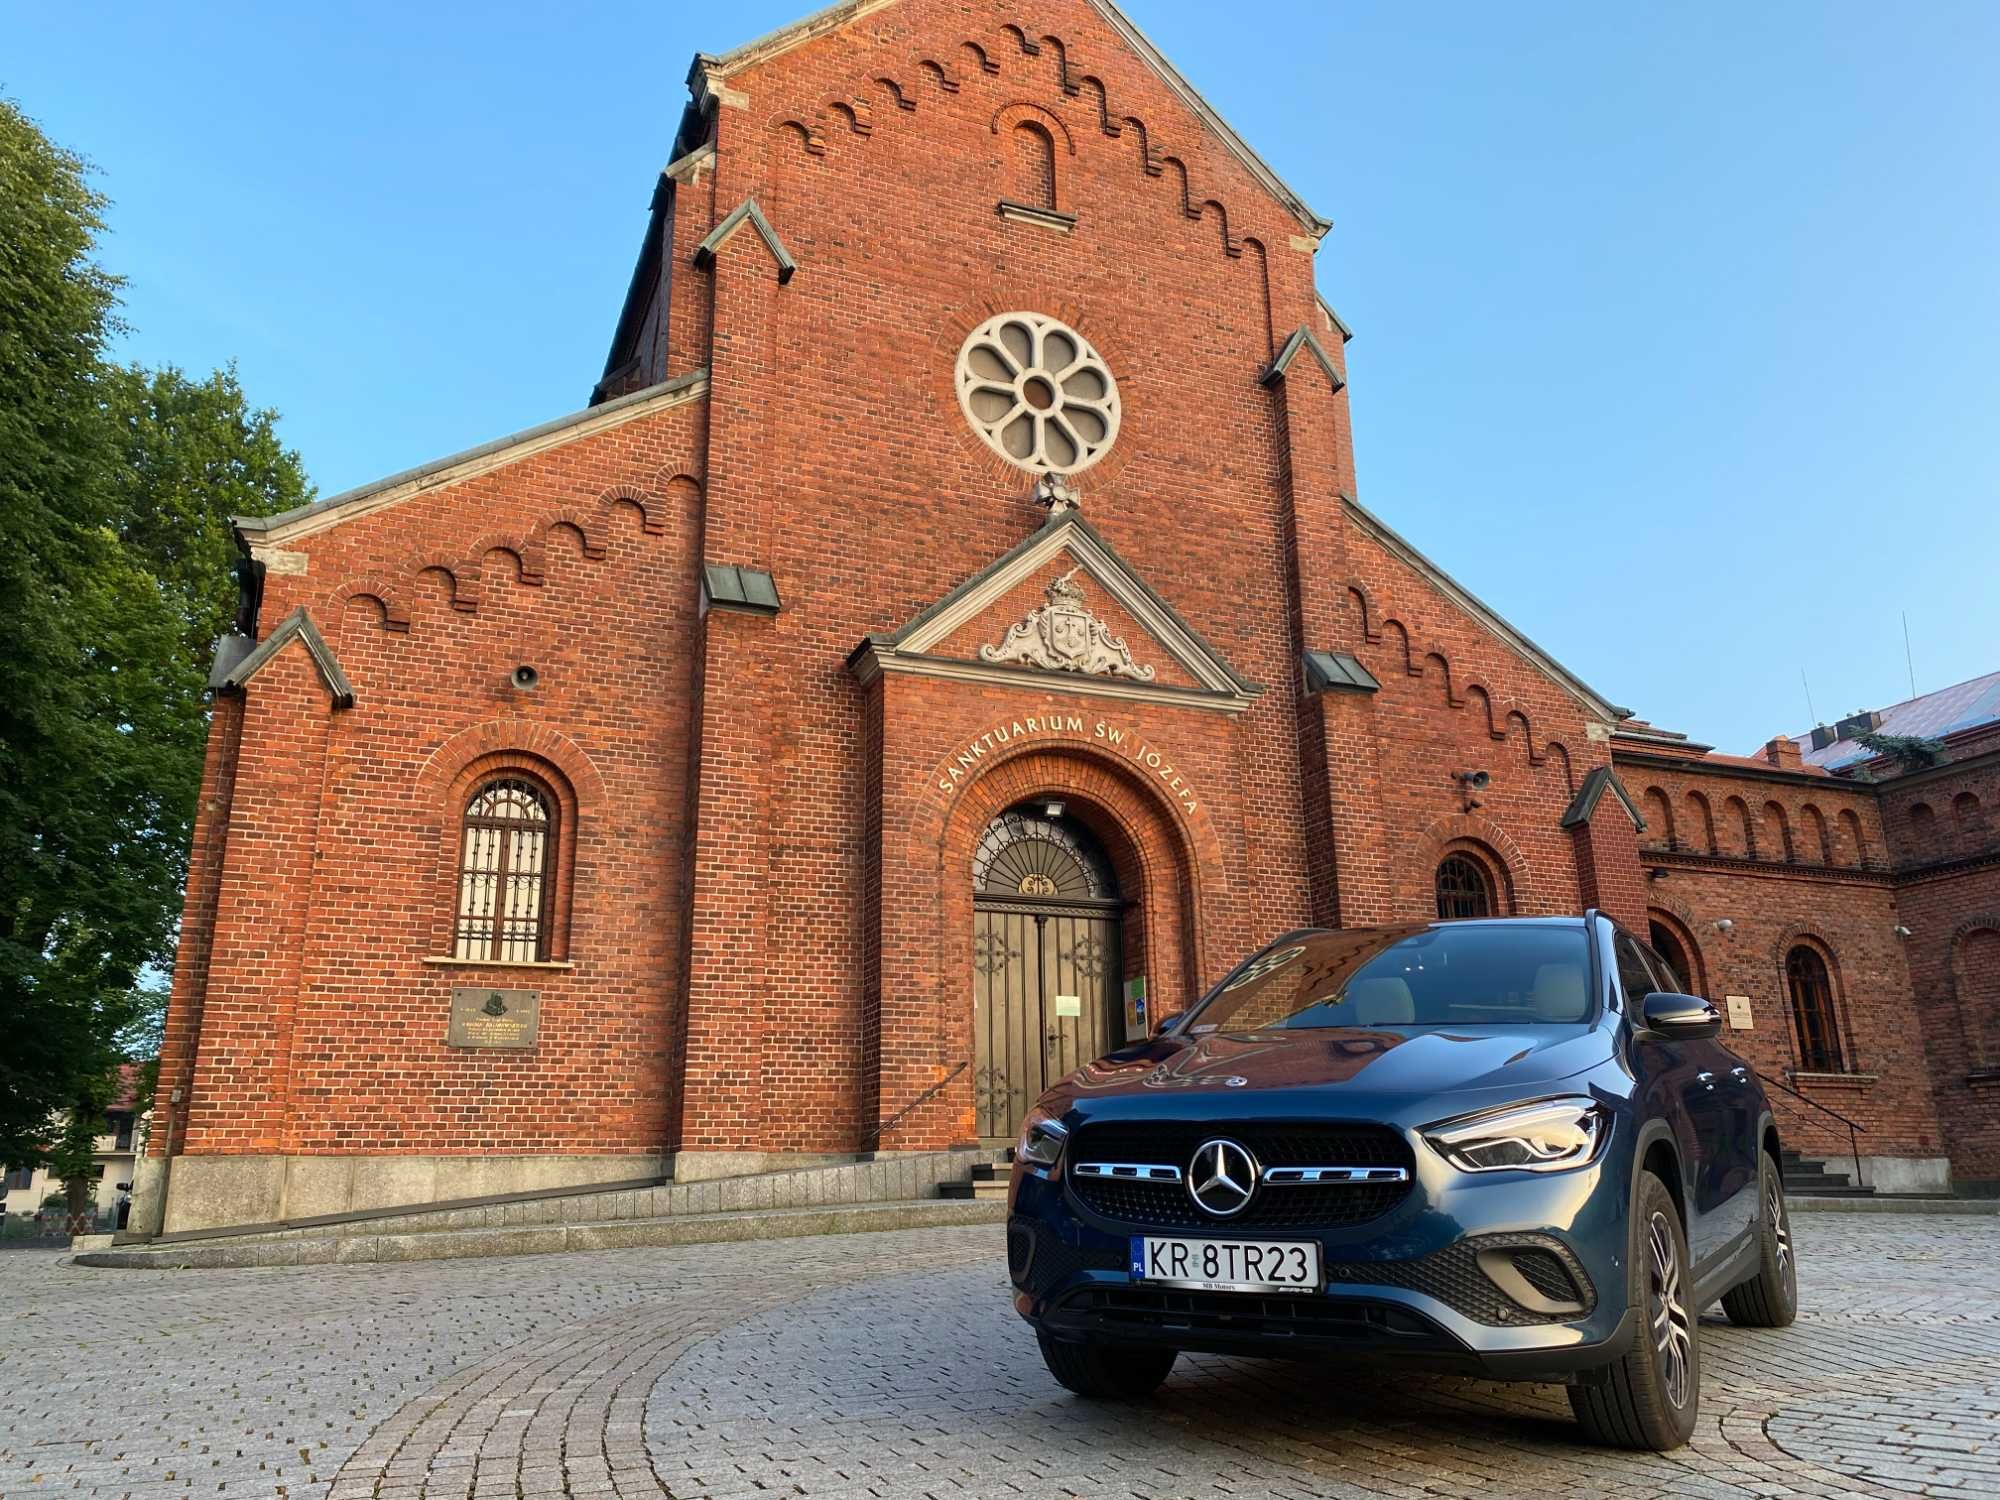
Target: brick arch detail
pixel 1008 116
pixel 1477 836
pixel 376 586
pixel 517 736
pixel 1980 1035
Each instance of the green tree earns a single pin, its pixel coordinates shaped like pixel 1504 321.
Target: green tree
pixel 116 562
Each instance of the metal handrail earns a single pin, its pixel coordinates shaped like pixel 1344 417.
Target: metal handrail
pixel 1855 1129
pixel 882 1129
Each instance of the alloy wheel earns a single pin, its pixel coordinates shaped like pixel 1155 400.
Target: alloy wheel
pixel 1781 1231
pixel 1673 1338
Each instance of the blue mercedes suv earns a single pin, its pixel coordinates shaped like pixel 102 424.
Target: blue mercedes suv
pixel 1511 1148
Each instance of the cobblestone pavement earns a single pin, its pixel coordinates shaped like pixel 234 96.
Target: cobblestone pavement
pixel 892 1365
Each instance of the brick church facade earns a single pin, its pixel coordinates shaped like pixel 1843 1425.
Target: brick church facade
pixel 947 641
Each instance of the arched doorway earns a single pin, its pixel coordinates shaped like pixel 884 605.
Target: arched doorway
pixel 1045 959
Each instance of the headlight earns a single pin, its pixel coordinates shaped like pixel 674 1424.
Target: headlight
pixel 1042 1137
pixel 1549 1135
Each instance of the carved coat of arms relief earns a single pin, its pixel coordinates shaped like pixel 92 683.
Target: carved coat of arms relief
pixel 1064 636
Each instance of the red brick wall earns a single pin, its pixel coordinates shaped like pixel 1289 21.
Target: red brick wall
pixel 1948 891
pixel 327 844
pixel 1784 885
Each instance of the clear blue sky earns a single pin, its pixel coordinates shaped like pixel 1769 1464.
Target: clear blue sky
pixel 1677 327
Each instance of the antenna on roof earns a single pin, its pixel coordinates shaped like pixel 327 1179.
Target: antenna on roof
pixel 1808 687
pixel 1908 661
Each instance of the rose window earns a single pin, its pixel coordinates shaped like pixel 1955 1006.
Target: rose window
pixel 1037 393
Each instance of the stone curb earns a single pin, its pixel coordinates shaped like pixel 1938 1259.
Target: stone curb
pixel 1958 1206
pixel 684 1229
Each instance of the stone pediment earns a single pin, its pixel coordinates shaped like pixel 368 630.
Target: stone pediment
pixel 1064 613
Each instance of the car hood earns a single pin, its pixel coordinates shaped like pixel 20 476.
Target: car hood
pixel 1345 1069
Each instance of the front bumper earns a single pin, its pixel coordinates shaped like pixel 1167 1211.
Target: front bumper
pixel 1433 1283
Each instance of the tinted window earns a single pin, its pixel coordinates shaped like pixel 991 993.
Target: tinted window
pixel 1635 975
pixel 1457 975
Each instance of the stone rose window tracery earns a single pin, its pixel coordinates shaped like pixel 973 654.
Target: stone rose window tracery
pixel 1037 393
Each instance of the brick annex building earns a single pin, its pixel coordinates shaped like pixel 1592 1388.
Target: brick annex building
pixel 947 641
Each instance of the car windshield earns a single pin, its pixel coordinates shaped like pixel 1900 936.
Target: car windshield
pixel 1470 974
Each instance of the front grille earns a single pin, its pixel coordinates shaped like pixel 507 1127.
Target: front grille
pixel 1452 1275
pixel 1167 1310
pixel 1304 1207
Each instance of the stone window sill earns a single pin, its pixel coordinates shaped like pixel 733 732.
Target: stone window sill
pixel 499 963
pixel 1027 213
pixel 1834 1080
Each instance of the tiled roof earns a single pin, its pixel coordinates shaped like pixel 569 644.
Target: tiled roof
pixel 1966 705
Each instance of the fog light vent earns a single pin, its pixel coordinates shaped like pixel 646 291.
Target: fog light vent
pixel 1020 1250
pixel 1533 1277
pixel 1547 1275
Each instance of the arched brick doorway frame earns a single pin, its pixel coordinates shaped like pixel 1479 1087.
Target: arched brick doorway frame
pixel 1169 866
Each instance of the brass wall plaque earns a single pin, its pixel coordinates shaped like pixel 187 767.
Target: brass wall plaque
pixel 481 1017
pixel 1739 1011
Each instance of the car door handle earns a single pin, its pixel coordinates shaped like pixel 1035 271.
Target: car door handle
pixel 1707 1080
pixel 1741 1075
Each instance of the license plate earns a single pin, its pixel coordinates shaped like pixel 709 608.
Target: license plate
pixel 1227 1265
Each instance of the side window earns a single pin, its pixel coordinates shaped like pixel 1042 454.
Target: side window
pixel 1635 975
pixel 1671 978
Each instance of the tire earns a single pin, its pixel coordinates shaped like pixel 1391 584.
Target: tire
pixel 1108 1372
pixel 1770 1299
pixel 1649 1398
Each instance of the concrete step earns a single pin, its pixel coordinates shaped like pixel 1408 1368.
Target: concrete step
pixel 983 1189
pixel 545 1239
pixel 886 1180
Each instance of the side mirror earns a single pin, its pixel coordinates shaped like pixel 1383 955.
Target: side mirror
pixel 1679 1017
pixel 1161 1024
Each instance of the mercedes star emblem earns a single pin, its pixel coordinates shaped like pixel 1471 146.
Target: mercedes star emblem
pixel 1221 1178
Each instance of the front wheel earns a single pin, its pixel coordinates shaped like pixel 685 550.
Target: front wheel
pixel 1770 1299
pixel 1108 1372
pixel 1648 1399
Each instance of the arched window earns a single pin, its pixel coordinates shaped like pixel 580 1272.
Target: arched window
pixel 1813 1017
pixel 503 889
pixel 1463 888
pixel 1033 176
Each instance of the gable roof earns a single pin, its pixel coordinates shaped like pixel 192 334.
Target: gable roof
pixel 1380 530
pixel 1595 785
pixel 906 650
pixel 306 519
pixel 709 67
pixel 704 253
pixel 234 667
pixel 1302 338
